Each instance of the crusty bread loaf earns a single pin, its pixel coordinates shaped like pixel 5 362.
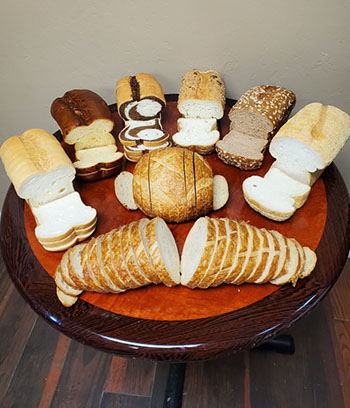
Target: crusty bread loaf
pixel 262 110
pixel 260 255
pixel 139 97
pixel 241 150
pixel 118 260
pixel 202 95
pixel 276 195
pixel 38 167
pixel 82 114
pixel 313 137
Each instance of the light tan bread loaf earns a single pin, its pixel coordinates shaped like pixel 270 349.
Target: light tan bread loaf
pixel 202 95
pixel 312 138
pixel 173 183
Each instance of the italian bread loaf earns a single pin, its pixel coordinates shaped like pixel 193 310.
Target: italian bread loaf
pixel 173 183
pixel 139 97
pixel 38 167
pixel 130 256
pixel 215 251
pixel 312 138
pixel 202 95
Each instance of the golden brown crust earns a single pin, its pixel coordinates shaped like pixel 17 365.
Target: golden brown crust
pixel 79 107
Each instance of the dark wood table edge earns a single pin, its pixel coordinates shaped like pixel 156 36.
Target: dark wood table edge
pixel 177 340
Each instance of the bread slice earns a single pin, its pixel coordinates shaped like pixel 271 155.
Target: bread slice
pixel 63 286
pixel 296 172
pixel 221 192
pixel 258 255
pixel 197 252
pixel 241 150
pixel 310 262
pixel 273 197
pixel 282 256
pixel 291 266
pixel 98 162
pixel 313 137
pixel 163 251
pixel 66 300
pixel 197 140
pixel 198 124
pixel 124 190
pixel 92 140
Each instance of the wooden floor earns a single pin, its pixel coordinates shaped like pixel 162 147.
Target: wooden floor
pixel 39 367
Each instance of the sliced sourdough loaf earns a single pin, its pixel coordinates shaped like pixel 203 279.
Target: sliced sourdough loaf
pixel 202 95
pixel 312 138
pixel 241 150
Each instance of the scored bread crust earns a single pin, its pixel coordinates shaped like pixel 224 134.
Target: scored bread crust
pixel 79 107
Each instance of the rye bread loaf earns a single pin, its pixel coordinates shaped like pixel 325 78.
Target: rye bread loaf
pixel 202 95
pixel 312 138
pixel 139 97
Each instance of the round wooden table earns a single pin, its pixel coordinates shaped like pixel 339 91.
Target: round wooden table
pixel 180 324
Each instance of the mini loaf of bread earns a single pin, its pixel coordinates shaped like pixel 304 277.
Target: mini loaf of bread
pixel 255 118
pixel 215 251
pixel 128 257
pixel 202 95
pixel 82 114
pixel 139 97
pixel 173 183
pixel 43 174
pixel 312 138
pixel 86 122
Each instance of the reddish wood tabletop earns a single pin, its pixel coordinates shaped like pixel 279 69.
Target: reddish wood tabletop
pixel 180 323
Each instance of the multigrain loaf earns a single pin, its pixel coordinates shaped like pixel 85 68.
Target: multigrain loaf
pixel 173 183
pixel 262 110
pixel 202 95
pixel 312 137
pixel 139 97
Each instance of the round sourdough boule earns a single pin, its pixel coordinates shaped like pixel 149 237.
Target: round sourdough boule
pixel 173 183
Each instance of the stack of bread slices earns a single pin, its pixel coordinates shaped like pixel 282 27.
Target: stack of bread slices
pixel 43 174
pixel 215 251
pixel 86 122
pixel 303 148
pixel 140 101
pixel 201 102
pixel 255 118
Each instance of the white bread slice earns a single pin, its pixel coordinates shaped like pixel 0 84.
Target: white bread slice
pixel 221 192
pixel 286 184
pixel 291 267
pixel 64 264
pixel 296 172
pixel 38 167
pixel 124 190
pixel 310 262
pixel 61 217
pixel 260 246
pixel 66 300
pixel 199 141
pixel 105 156
pixel 91 267
pixel 313 137
pixel 283 251
pixel 75 267
pixel 197 251
pixel 62 284
pixel 90 135
pixel 163 251
pixel 91 140
pixel 201 125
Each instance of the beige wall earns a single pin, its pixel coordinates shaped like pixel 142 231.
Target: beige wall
pixel 49 47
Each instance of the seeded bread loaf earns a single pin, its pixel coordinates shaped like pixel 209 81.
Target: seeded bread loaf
pixel 202 95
